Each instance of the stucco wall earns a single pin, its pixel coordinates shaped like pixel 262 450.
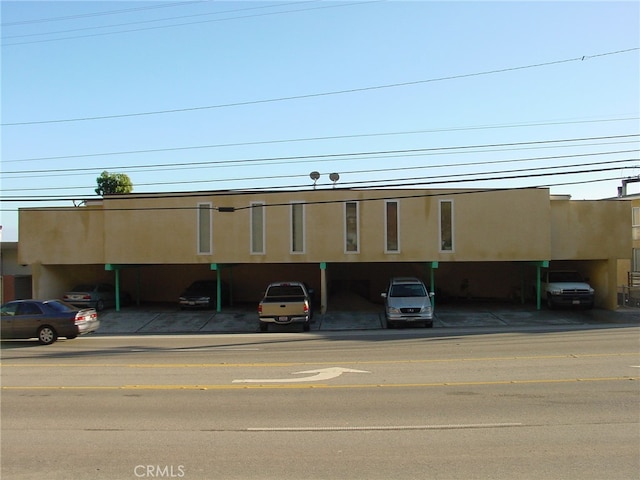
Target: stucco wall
pixel 493 225
pixel 590 229
pixel 62 236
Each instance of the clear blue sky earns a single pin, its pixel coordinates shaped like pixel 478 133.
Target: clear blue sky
pixel 203 95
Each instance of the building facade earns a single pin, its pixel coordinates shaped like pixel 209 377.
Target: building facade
pixel 467 245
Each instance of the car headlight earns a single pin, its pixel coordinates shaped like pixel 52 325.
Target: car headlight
pixel 393 310
pixel 425 309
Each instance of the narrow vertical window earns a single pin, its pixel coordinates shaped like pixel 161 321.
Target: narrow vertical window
pixel 257 228
pixel 392 226
pixel 351 227
pixel 446 225
pixel 636 260
pixel 297 227
pixel 204 229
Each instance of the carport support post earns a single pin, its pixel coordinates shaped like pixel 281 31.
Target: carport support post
pixel 323 287
pixel 117 289
pixel 539 265
pixel 214 266
pixel 111 267
pixel 432 280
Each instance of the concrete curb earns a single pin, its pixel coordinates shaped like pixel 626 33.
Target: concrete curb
pixel 140 321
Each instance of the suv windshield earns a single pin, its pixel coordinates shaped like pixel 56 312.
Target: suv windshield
pixel 408 290
pixel 565 277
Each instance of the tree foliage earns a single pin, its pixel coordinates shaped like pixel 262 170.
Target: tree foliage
pixel 113 183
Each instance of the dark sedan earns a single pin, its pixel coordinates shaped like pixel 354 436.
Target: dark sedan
pixel 46 320
pixel 204 294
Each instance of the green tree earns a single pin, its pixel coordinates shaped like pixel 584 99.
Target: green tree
pixel 113 183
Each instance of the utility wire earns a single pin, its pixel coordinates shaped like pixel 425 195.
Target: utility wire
pixel 392 196
pixel 310 139
pixel 73 17
pixel 357 172
pixel 407 182
pixel 99 14
pixel 323 94
pixel 336 5
pixel 298 158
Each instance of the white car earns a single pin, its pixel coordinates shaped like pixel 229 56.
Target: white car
pixel 407 302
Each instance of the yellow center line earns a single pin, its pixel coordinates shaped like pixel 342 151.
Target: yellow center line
pixel 323 386
pixel 296 364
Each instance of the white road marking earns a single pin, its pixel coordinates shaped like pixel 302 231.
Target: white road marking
pixel 320 374
pixel 386 427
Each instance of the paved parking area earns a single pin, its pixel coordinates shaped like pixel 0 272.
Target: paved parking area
pixel 140 320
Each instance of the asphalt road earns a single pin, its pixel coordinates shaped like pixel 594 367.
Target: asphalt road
pixel 410 404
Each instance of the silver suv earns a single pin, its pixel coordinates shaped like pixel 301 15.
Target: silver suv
pixel 407 301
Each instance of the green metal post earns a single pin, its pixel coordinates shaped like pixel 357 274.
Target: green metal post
pixel 538 306
pixel 117 289
pixel 214 266
pixel 432 268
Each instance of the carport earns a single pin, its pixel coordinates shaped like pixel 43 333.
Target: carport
pixel 116 268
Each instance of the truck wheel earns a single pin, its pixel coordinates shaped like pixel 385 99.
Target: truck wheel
pixel 264 327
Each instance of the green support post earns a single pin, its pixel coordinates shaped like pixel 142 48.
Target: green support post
pixel 539 264
pixel 110 267
pixel 117 289
pixel 323 287
pixel 214 266
pixel 432 279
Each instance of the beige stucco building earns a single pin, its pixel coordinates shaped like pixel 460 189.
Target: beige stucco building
pixel 487 244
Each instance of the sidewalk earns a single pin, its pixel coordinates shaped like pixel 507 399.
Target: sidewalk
pixel 135 320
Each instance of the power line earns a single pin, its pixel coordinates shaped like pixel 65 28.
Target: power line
pixel 73 17
pixel 310 139
pixel 369 171
pixel 323 94
pixel 99 14
pixel 191 23
pixel 407 182
pixel 298 158
pixel 395 196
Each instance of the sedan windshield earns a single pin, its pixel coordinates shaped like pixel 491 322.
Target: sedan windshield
pixel 84 288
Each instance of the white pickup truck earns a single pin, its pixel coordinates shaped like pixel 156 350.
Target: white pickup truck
pixel 285 303
pixel 566 287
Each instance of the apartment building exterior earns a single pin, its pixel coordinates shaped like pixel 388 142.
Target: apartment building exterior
pixel 465 244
